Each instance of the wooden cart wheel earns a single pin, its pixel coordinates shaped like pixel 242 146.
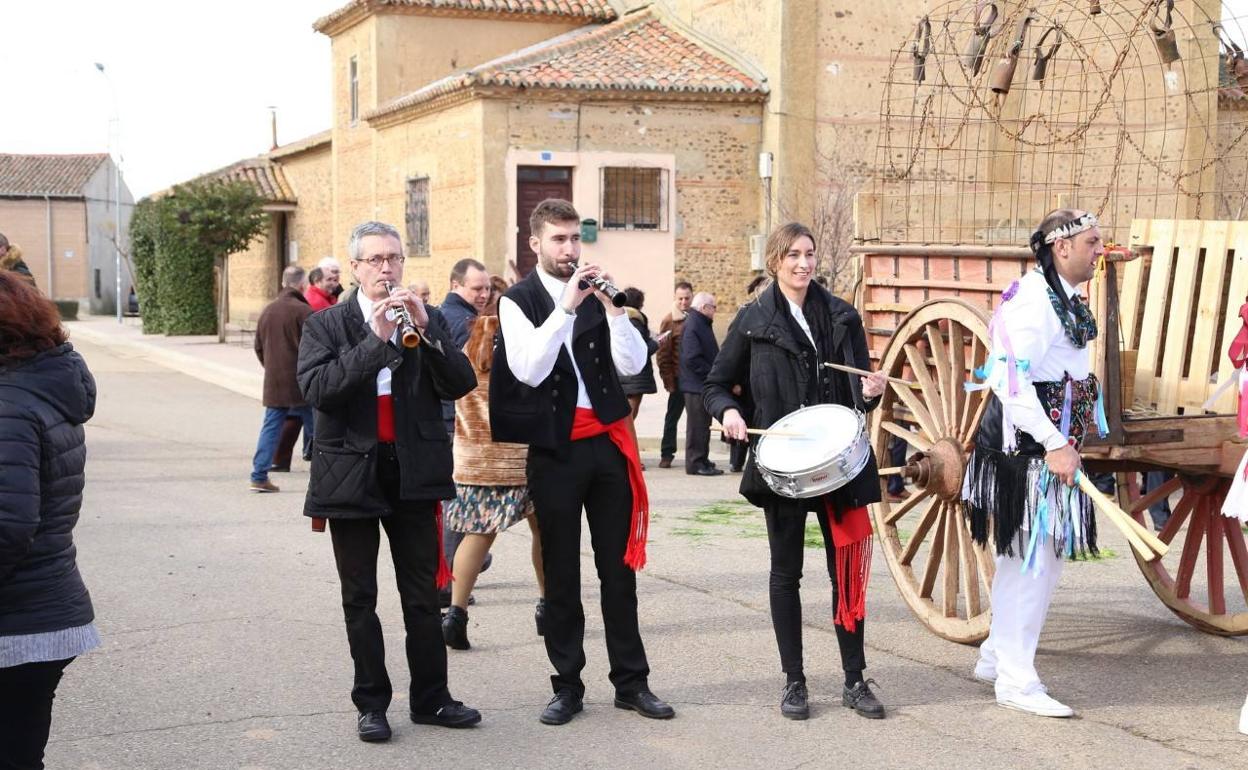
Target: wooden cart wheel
pixel 1191 578
pixel 941 574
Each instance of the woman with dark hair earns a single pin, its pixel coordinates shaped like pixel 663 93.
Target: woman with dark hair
pixel 46 618
pixel 774 349
pixel 490 486
pixel 641 383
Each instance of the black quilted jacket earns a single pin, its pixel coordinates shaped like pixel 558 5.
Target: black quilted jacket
pixel 339 358
pixel 43 403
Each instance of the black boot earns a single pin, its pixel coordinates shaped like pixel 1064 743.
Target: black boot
pixel 455 628
pixel 539 616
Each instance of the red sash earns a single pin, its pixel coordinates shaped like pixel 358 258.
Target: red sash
pixel 853 542
pixel 585 424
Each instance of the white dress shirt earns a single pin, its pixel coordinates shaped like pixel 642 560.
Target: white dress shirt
pixel 796 310
pixel 384 375
pixel 1037 336
pixel 532 351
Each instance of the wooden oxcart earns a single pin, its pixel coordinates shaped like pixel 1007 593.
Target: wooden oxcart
pixel 1172 311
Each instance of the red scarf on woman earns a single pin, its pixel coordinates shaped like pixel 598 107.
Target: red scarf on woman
pixel 586 424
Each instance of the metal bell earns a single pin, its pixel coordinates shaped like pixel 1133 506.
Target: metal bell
pixel 920 48
pixel 973 59
pixel 1167 45
pixel 1003 72
pixel 1041 67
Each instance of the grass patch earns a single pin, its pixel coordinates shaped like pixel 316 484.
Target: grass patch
pixel 745 519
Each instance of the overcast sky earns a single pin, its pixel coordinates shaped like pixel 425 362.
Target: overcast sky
pixel 193 80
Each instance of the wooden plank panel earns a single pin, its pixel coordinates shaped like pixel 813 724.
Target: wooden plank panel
pixel 1132 284
pixel 1178 332
pixel 1210 298
pixel 1161 234
pixel 1238 240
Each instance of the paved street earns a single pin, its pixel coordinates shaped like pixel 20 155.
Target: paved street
pixel 224 645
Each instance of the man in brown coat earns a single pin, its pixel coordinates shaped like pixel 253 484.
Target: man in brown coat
pixel 277 346
pixel 668 358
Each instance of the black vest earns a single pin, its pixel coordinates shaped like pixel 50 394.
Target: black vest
pixel 542 416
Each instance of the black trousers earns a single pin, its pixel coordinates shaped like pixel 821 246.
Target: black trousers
pixel 786 534
pixel 26 694
pixel 413 534
pixel 593 476
pixel 675 405
pixel 697 432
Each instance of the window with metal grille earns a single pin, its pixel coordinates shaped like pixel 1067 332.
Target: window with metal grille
pixel 353 84
pixel 417 217
pixel 634 199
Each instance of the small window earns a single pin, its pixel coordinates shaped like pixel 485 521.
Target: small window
pixel 417 217
pixel 634 199
pixel 353 84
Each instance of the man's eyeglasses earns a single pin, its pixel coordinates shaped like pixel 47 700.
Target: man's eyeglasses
pixel 396 259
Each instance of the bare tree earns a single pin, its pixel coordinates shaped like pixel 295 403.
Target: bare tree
pixel 825 203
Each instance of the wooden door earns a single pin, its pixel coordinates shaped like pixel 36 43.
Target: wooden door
pixel 535 184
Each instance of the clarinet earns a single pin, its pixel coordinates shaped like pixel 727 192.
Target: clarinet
pixel 618 298
pixel 407 329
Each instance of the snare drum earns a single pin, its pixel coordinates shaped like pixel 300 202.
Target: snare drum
pixel 829 451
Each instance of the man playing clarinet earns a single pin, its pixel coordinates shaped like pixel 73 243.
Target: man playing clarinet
pixel 555 387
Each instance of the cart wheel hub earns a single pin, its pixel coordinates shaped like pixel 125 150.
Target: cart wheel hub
pixel 939 470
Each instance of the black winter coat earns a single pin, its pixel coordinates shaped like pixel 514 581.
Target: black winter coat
pixel 339 358
pixel 763 351
pixel 641 383
pixel 43 403
pixel 698 349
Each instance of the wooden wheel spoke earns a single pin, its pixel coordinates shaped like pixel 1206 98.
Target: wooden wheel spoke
pixel 935 554
pixel 1160 493
pixel 920 413
pixel 931 393
pixel 968 428
pixel 1177 517
pixel 920 532
pixel 910 437
pixel 897 513
pixel 936 341
pixel 1191 549
pixel 970 580
pixel 957 376
pixel 973 398
pixel 1213 565
pixel 1239 552
pixel 949 592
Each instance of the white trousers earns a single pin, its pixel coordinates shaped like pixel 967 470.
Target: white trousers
pixel 1019 605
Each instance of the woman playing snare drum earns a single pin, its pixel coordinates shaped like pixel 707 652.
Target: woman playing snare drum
pixel 776 346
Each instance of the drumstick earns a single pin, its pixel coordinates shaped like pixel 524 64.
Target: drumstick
pixel 865 373
pixel 764 431
pixel 1145 543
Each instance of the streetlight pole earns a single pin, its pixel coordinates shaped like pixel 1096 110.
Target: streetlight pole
pixel 116 119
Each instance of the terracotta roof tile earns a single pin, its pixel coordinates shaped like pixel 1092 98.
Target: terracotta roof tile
pixel 265 177
pixel 636 55
pixel 60 175
pixel 585 10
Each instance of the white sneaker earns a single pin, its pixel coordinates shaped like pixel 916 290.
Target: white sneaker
pixel 1038 702
pixel 1243 718
pixel 984 673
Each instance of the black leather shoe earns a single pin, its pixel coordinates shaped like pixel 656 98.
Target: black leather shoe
pixel 279 469
pixel 705 470
pixel 863 701
pixel 539 616
pixel 453 714
pixel 793 701
pixel 645 703
pixel 455 629
pixel 307 456
pixel 561 708
pixel 372 726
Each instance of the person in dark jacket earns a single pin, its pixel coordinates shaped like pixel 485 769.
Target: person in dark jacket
pixel 774 347
pixel 46 617
pixel 382 460
pixel 277 346
pixel 11 259
pixel 642 383
pixel 698 349
pixel 668 360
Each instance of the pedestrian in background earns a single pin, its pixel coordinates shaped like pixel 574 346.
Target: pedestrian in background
pixel 491 492
pixel 332 270
pixel 11 259
pixel 322 289
pixel 698 349
pixel 46 617
pixel 278 333
pixel 668 358
pixel 641 383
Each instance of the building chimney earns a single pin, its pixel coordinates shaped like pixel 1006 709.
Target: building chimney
pixel 273 123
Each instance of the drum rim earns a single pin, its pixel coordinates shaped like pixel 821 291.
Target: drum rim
pixel 862 427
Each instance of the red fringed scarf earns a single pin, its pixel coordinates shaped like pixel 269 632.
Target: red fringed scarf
pixel 585 424
pixel 442 578
pixel 851 537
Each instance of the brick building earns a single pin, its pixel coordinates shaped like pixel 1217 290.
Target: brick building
pixel 61 210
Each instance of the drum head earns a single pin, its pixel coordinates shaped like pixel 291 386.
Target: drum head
pixel 825 431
